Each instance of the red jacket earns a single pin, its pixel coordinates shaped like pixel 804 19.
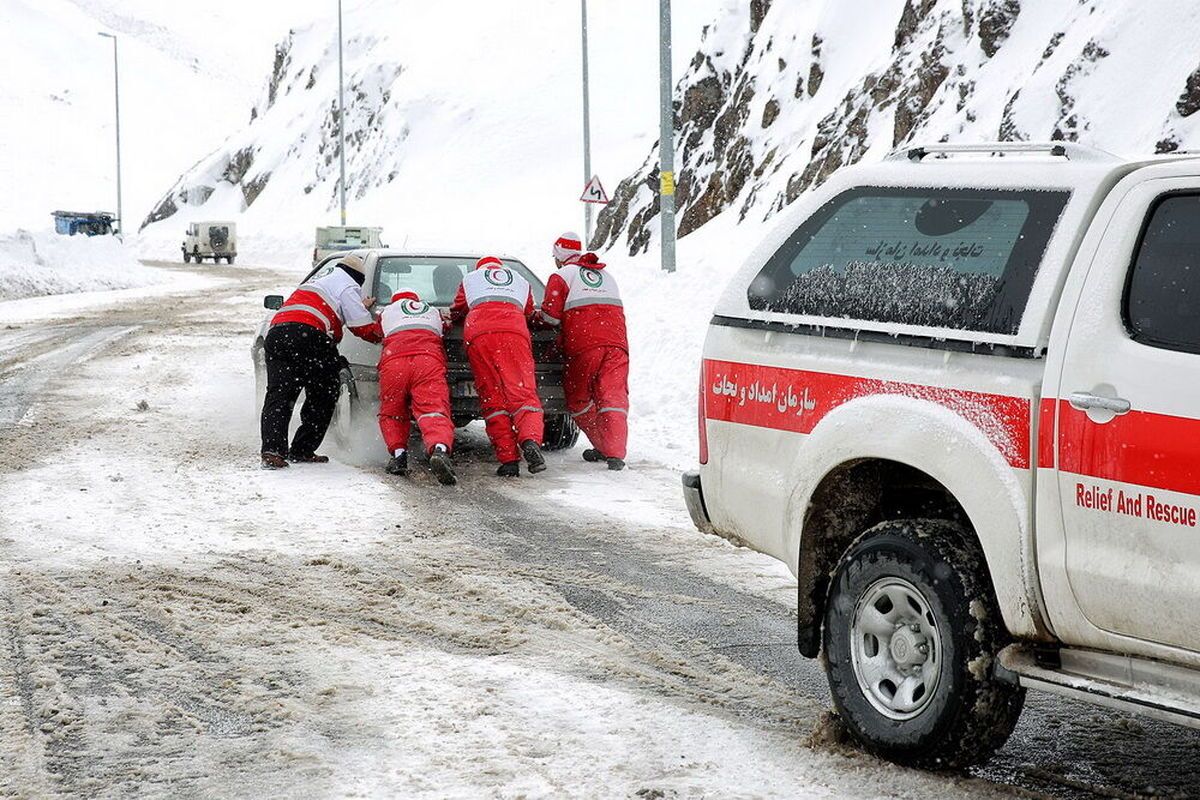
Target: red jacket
pixel 412 328
pixel 585 301
pixel 330 301
pixel 493 299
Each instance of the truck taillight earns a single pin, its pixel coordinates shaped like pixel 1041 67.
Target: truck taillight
pixel 701 417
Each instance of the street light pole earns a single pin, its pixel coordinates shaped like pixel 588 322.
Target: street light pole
pixel 587 130
pixel 117 101
pixel 341 121
pixel 666 138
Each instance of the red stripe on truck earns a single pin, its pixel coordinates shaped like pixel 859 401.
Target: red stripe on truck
pixel 1046 433
pixel 1153 450
pixel 796 400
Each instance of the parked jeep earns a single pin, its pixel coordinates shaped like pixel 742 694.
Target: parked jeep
pixel 436 279
pixel 958 394
pixel 215 240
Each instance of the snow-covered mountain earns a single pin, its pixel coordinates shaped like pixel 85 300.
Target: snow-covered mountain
pixel 783 92
pixel 463 122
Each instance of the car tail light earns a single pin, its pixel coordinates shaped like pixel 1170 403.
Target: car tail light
pixel 701 417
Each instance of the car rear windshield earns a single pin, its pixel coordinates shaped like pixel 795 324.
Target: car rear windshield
pixel 436 278
pixel 962 259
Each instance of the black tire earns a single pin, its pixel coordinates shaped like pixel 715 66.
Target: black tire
pixel 968 713
pixel 347 409
pixel 560 433
pixel 229 260
pixel 187 258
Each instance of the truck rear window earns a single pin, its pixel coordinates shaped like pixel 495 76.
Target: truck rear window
pixel 962 259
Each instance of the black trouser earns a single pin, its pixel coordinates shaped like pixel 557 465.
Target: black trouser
pixel 299 357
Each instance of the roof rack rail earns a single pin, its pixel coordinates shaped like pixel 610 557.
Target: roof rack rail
pixel 1070 151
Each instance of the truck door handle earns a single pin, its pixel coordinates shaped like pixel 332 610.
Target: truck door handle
pixel 1085 401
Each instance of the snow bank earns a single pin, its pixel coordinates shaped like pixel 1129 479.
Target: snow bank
pixel 43 263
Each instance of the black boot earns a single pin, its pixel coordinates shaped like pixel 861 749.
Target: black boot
pixel 592 455
pixel 533 456
pixel 398 465
pixel 615 464
pixel 510 470
pixel 439 462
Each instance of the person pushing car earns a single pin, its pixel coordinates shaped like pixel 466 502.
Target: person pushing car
pixel 497 306
pixel 412 383
pixel 583 298
pixel 301 352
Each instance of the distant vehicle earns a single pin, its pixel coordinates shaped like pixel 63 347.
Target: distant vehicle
pixel 338 239
pixel 215 240
pixel 88 223
pixel 958 394
pixel 436 278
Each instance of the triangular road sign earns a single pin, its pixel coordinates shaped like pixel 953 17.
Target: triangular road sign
pixel 594 192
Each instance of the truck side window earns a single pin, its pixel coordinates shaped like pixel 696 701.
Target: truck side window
pixel 963 259
pixel 1162 297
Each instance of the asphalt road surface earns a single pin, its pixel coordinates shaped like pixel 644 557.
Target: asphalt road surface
pixel 80 636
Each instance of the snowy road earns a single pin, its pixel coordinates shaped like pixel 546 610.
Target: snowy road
pixel 174 621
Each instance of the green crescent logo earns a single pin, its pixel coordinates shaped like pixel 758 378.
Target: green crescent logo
pixel 498 277
pixel 591 277
pixel 323 271
pixel 413 308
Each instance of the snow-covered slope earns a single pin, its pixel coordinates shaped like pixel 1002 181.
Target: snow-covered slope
pixel 185 83
pixel 783 92
pixel 463 123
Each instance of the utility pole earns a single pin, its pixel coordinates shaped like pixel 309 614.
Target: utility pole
pixel 117 101
pixel 666 138
pixel 341 121
pixel 587 131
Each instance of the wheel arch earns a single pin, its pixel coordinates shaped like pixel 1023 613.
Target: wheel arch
pixel 924 460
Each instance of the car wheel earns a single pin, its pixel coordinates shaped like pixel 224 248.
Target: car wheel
pixel 187 259
pixel 912 630
pixel 229 260
pixel 342 425
pixel 560 433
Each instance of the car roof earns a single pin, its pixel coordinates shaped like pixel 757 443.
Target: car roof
pixel 385 252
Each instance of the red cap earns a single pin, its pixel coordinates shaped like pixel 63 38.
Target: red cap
pixel 405 294
pixel 489 262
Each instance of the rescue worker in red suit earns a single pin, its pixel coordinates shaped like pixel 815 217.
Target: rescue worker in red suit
pixel 302 354
pixel 412 384
pixel 497 305
pixel 583 299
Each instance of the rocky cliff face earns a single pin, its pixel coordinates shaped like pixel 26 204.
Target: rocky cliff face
pixel 283 138
pixel 781 94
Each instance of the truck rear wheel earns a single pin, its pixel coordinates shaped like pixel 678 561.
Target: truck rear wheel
pixel 560 432
pixel 912 629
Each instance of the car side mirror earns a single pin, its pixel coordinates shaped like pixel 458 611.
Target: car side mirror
pixel 273 302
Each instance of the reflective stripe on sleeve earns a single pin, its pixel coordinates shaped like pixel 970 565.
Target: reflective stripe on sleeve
pixel 615 410
pixel 494 414
pixel 583 410
pixel 431 414
pixel 531 409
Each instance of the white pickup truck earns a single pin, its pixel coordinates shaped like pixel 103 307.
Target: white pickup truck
pixel 958 394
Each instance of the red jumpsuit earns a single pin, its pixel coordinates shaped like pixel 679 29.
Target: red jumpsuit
pixel 585 301
pixel 497 305
pixel 412 375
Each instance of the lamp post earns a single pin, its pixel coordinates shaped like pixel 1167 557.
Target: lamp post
pixel 341 121
pixel 587 130
pixel 117 101
pixel 666 138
